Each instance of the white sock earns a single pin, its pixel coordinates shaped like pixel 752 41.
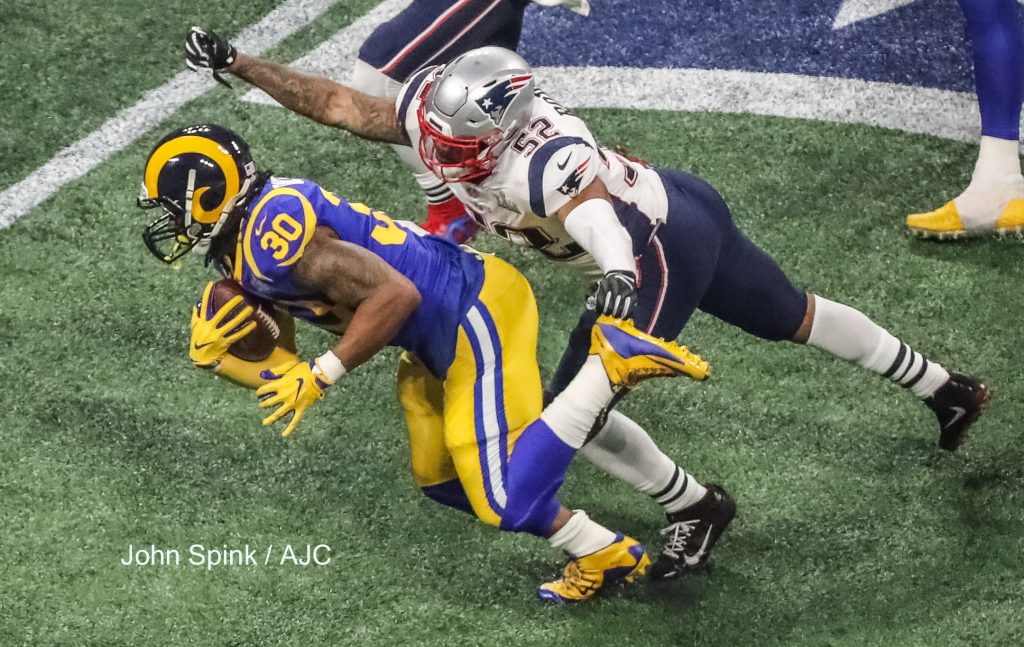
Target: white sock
pixel 434 189
pixel 996 180
pixel 848 333
pixel 581 536
pixel 997 158
pixel 625 450
pixel 572 414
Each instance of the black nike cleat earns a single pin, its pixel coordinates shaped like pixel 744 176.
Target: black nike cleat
pixel 693 532
pixel 957 404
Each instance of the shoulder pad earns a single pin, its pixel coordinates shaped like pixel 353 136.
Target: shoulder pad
pixel 279 227
pixel 410 90
pixel 559 170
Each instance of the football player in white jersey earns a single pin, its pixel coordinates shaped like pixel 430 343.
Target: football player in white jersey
pixel 662 242
pixel 428 32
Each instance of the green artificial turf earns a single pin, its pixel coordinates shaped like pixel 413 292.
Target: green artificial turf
pixel 853 528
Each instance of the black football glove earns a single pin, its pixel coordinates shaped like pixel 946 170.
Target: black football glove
pixel 209 50
pixel 616 294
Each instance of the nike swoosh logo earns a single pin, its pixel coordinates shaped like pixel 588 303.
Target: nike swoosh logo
pixel 561 167
pixel 960 413
pixel 259 227
pixel 199 346
pixel 299 390
pixel 694 559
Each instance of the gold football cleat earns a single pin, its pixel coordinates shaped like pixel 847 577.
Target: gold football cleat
pixel 630 355
pixel 945 224
pixel 623 561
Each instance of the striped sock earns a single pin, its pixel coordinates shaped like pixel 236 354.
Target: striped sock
pixel 912 371
pixel 848 333
pixel 681 492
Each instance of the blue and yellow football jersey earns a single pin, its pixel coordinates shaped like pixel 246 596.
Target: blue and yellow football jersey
pixel 280 223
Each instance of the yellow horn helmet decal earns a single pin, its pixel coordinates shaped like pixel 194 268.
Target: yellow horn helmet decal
pixel 201 146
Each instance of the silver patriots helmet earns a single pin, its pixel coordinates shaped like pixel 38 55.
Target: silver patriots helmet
pixel 470 111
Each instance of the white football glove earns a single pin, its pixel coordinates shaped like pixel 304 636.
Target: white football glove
pixel 582 7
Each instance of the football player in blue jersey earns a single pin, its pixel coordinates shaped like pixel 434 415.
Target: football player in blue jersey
pixel 661 241
pixel 427 32
pixel 468 323
pixel 994 199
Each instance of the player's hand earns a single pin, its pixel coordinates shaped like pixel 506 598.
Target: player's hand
pixel 212 334
pixel 616 294
pixel 292 389
pixel 205 49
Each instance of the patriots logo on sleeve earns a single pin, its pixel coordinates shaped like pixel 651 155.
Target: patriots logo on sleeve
pixel 498 98
pixel 571 187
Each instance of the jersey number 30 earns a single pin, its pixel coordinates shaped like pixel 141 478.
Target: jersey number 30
pixel 283 231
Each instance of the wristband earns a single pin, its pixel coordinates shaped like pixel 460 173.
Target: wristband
pixel 329 366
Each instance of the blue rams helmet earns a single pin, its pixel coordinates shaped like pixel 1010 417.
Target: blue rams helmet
pixel 198 175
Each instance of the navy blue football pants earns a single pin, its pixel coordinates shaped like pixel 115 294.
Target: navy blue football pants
pixel 429 32
pixel 698 259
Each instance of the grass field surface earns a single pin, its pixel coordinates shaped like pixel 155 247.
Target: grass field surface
pixel 853 528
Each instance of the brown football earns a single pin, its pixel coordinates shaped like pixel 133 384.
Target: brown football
pixel 258 344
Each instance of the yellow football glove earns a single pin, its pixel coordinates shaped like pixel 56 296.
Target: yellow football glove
pixel 293 388
pixel 211 336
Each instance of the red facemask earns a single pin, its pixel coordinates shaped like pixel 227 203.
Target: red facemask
pixel 461 159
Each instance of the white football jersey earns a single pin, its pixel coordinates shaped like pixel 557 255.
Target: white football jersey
pixel 546 165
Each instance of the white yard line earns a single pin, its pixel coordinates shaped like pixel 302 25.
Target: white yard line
pixel 335 57
pixel 928 111
pixel 129 124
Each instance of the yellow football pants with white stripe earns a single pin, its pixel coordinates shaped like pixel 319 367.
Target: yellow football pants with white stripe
pixel 466 428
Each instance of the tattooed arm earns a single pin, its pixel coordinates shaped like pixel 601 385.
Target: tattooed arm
pixel 355 280
pixel 323 100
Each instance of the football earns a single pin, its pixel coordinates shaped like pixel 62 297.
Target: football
pixel 259 343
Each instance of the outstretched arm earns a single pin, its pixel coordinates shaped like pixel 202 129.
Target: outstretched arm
pixel 323 100
pixel 316 97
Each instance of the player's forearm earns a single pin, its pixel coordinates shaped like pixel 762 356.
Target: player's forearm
pixel 376 322
pixel 592 222
pixel 307 95
pixel 594 225
pixel 323 100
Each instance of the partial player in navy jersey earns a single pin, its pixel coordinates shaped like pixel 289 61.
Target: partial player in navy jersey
pixel 659 241
pixel 994 199
pixel 468 381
